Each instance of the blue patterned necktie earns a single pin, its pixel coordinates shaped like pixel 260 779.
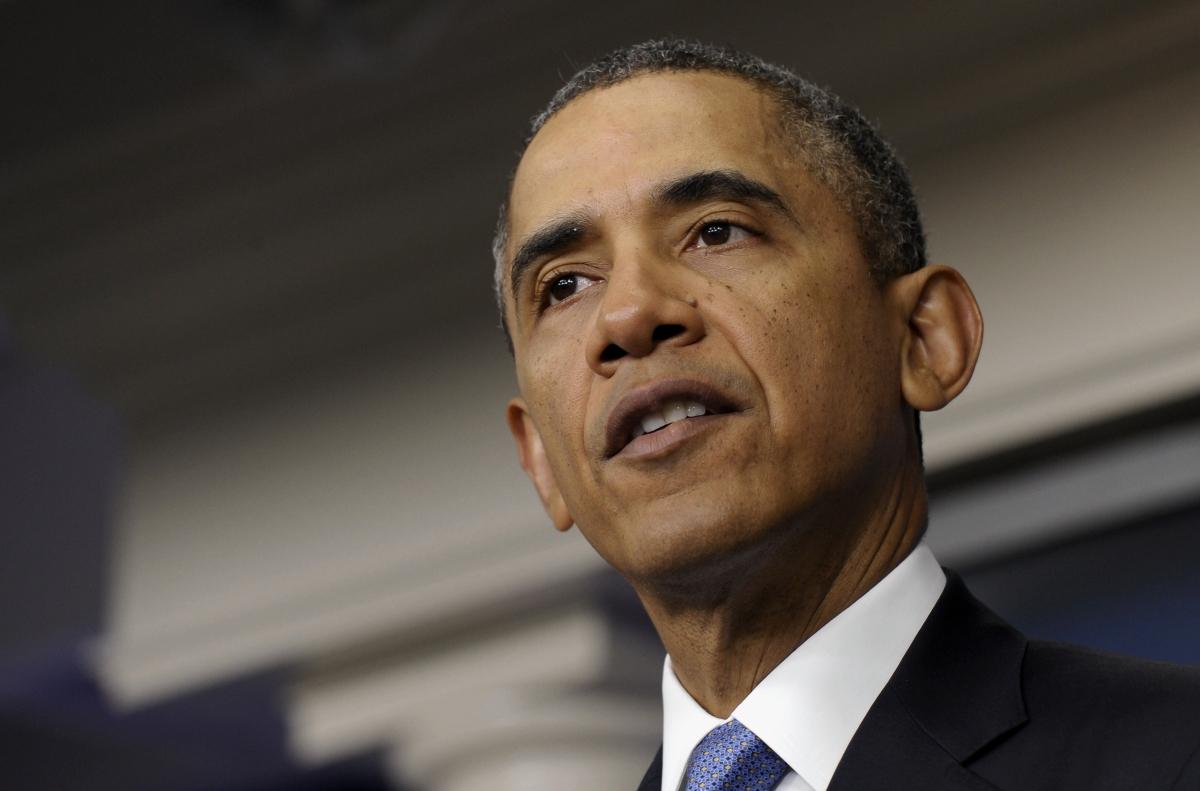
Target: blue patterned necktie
pixel 732 758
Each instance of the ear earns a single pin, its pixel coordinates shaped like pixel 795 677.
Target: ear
pixel 942 335
pixel 532 454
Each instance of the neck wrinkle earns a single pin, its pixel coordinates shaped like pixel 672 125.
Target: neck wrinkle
pixel 723 645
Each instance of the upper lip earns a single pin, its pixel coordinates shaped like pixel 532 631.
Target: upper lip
pixel 637 402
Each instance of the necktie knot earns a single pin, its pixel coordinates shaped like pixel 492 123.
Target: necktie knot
pixel 732 758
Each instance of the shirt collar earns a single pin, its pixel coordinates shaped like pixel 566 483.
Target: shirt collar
pixel 808 708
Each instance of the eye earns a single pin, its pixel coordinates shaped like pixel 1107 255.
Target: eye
pixel 715 233
pixel 564 286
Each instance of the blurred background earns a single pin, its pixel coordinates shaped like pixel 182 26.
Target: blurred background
pixel 262 525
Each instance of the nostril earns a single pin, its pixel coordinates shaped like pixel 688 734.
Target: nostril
pixel 611 352
pixel 665 332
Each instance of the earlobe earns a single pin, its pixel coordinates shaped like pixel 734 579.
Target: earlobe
pixel 943 335
pixel 532 454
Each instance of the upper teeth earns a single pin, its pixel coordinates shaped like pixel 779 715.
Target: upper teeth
pixel 671 412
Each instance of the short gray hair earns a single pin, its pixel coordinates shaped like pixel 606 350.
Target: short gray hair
pixel 833 140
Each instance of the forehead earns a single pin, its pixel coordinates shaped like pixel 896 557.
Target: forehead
pixel 607 148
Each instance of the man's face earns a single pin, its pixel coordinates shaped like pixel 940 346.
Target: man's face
pixel 678 263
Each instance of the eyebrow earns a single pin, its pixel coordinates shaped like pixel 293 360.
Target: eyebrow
pixel 709 185
pixel 560 235
pixel 555 238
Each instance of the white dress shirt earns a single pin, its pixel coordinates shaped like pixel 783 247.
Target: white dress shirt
pixel 808 708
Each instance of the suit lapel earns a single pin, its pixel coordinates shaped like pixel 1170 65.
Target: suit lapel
pixel 890 751
pixel 653 779
pixel 957 690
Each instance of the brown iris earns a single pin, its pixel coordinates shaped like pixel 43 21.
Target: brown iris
pixel 563 287
pixel 715 233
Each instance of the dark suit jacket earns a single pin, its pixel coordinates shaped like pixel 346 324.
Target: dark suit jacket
pixel 974 706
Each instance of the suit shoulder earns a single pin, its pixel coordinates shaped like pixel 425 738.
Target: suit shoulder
pixel 1098 721
pixel 1071 679
pixel 1137 718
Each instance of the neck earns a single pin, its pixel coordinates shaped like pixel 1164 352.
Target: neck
pixel 724 642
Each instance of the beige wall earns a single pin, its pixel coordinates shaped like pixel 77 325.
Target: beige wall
pixel 1079 234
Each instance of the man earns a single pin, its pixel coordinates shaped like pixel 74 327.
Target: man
pixel 713 278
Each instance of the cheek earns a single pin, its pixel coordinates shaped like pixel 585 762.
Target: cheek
pixel 814 346
pixel 555 368
pixel 555 385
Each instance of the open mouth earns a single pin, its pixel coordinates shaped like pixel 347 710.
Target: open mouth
pixel 652 409
pixel 671 412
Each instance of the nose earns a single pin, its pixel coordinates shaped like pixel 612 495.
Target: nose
pixel 646 305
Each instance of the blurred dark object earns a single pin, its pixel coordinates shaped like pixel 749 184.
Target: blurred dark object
pixel 1132 590
pixel 59 453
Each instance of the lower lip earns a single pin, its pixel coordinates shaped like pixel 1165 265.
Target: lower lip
pixel 662 442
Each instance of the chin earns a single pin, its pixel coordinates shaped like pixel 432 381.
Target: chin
pixel 702 546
